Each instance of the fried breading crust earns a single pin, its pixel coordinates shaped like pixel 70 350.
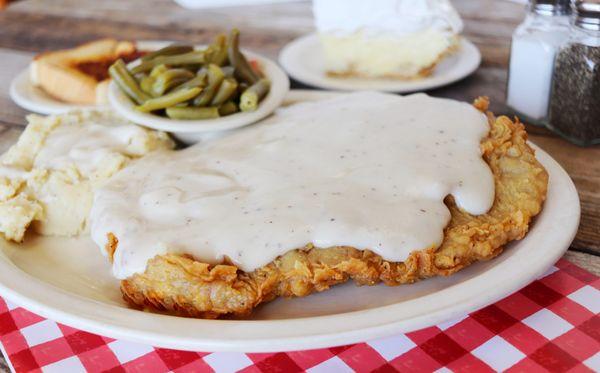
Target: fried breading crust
pixel 180 285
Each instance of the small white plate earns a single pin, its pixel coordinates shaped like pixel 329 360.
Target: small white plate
pixel 32 98
pixel 303 60
pixel 69 281
pixel 35 99
pixel 191 131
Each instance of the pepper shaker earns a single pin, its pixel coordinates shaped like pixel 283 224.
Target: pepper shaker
pixel 534 45
pixel 575 101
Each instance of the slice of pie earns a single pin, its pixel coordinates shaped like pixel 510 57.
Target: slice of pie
pixel 399 39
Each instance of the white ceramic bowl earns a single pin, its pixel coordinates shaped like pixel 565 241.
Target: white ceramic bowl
pixel 191 131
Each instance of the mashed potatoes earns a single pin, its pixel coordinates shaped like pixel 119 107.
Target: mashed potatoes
pixel 48 177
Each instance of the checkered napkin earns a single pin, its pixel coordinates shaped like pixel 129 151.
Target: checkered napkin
pixel 550 325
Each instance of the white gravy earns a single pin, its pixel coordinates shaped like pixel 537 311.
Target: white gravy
pixel 367 170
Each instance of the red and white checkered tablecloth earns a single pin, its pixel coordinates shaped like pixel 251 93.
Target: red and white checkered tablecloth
pixel 550 325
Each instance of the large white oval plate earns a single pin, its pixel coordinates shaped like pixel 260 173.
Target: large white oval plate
pixel 303 60
pixel 69 281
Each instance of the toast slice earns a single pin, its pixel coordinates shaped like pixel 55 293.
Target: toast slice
pixel 80 75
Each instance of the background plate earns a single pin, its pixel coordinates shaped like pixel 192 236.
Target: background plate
pixel 69 281
pixel 35 99
pixel 302 59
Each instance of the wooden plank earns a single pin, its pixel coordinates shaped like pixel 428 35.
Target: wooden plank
pixel 37 33
pixel 589 262
pixel 488 23
pixel 160 13
pixel 583 167
pixel 486 81
pixel 13 63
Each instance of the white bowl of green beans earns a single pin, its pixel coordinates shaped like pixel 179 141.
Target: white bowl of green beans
pixel 197 92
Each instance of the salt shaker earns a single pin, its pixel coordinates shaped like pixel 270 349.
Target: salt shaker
pixel 575 102
pixel 535 43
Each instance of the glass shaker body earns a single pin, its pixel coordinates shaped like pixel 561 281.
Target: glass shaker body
pixel 575 102
pixel 534 45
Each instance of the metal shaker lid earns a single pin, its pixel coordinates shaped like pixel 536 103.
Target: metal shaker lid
pixel 550 7
pixel 587 14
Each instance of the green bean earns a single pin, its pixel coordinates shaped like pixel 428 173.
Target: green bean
pixel 254 94
pixel 118 71
pixel 170 79
pixel 214 74
pixel 227 88
pixel 215 77
pixel 193 112
pixel 236 94
pixel 228 71
pixel 157 70
pixel 168 51
pixel 198 81
pixel 219 48
pixel 209 52
pixel 146 84
pixel 190 58
pixel 169 99
pixel 243 70
pixel 228 108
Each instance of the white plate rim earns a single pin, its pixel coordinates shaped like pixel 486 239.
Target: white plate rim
pixel 44 104
pixel 468 53
pixel 280 85
pixel 310 332
pixel 40 102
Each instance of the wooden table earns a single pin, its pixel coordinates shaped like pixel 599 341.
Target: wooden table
pixel 36 25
